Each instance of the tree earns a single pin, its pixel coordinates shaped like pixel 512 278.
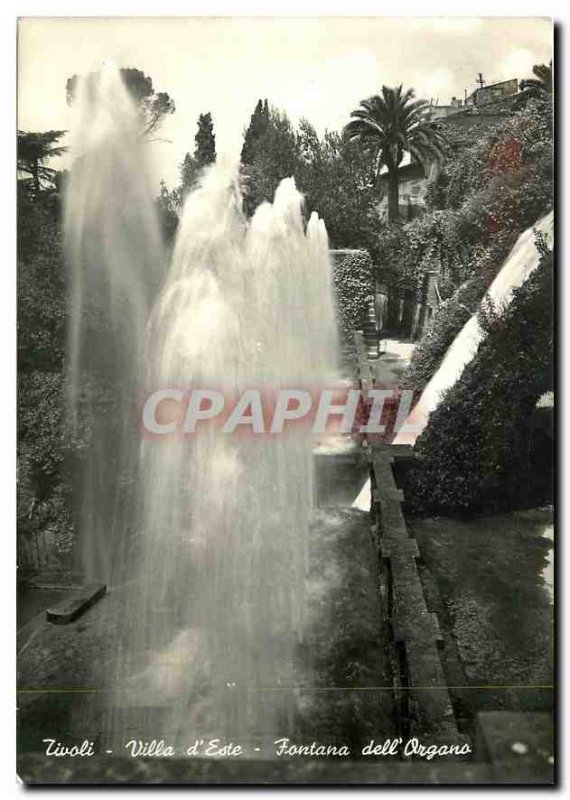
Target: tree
pixel 257 127
pixel 153 106
pixel 168 204
pixel 334 175
pixel 34 149
pixel 541 85
pixel 337 180
pixel 389 124
pixel 269 154
pixel 204 152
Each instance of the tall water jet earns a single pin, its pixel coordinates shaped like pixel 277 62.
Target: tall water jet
pixel 215 601
pixel 208 547
pixel 114 254
pixel 519 264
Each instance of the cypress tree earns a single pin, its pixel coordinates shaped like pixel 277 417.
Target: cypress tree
pixel 205 152
pixel 258 125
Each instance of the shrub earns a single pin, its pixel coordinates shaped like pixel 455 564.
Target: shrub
pixel 43 486
pixel 477 453
pixel 41 284
pixel 44 480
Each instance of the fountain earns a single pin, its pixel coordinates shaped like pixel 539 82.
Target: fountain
pixel 115 260
pixel 211 548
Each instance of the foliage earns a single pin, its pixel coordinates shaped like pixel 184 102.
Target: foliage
pixel 40 402
pixel 352 277
pixel 487 193
pixel 446 324
pixel 270 153
pixel 153 106
pixel 337 180
pixel 47 455
pixel 41 343
pixel 204 153
pixel 258 124
pixel 489 209
pixel 389 124
pixel 43 487
pixel 542 83
pixel 468 166
pixel 33 150
pixel 44 483
pixel 389 247
pixel 168 205
pixel 335 177
pixel 41 283
pixel 189 171
pixel 440 241
pixel 50 453
pixel 477 454
pixel 462 170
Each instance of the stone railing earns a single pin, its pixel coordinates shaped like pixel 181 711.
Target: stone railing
pixel 420 686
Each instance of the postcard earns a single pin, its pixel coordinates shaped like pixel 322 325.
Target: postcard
pixel 285 400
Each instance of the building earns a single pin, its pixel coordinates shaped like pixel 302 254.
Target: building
pixel 413 182
pixel 484 95
pixel 439 112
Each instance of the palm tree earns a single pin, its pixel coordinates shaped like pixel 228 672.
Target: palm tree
pixel 541 85
pixel 389 124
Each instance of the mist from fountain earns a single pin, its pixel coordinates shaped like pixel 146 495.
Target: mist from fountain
pixel 115 261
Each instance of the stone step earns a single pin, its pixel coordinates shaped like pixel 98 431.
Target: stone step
pixel 73 606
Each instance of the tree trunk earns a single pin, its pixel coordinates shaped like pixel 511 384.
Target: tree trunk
pixel 35 175
pixel 393 195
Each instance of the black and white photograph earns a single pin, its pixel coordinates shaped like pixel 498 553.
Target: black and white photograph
pixel 285 400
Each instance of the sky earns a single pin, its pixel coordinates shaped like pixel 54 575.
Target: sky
pixel 313 67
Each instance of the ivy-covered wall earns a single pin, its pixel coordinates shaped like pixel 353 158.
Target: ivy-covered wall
pixel 354 291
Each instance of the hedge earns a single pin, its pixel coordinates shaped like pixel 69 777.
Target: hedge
pixel 353 285
pixel 481 451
